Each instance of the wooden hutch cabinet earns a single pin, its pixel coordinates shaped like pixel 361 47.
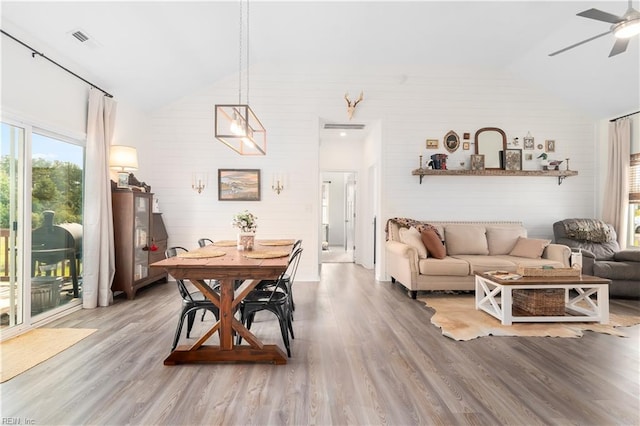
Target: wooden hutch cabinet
pixel 140 239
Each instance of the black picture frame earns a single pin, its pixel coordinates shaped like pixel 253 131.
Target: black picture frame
pixel 239 185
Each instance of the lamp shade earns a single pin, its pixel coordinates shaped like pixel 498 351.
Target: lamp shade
pixel 123 158
pixel 239 128
pixel 634 179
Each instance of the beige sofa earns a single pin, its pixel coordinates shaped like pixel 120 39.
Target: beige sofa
pixel 471 247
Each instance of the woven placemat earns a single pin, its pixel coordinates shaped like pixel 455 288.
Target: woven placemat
pixel 201 254
pixel 258 254
pixel 225 243
pixel 275 242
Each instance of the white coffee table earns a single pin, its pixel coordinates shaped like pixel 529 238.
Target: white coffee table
pixel 590 302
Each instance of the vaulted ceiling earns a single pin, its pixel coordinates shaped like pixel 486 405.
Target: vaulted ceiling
pixel 150 53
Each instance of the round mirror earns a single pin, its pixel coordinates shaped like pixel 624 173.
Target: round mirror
pixel 451 141
pixel 489 142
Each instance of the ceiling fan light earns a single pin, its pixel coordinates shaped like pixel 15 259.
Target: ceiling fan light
pixel 627 29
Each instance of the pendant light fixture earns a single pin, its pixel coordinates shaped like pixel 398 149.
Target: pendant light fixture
pixel 236 125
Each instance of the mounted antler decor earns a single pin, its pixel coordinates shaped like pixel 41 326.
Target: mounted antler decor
pixel 351 106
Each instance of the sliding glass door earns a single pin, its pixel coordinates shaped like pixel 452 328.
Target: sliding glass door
pixel 41 188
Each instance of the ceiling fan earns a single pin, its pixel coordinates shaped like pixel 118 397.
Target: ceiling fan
pixel 623 28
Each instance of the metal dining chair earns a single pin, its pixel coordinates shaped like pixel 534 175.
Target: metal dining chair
pixel 276 300
pixel 191 301
pixel 204 241
pixel 289 276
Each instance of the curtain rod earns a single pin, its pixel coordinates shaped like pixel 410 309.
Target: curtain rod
pixel 34 52
pixel 623 116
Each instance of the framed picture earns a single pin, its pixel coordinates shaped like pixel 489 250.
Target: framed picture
pixel 466 136
pixel 432 143
pixel 550 146
pixel 451 141
pixel 513 159
pixel 123 180
pixel 477 161
pixel 239 184
pixel 528 143
pixel 465 146
pixel 528 156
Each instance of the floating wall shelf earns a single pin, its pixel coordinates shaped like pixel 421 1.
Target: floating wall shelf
pixel 560 174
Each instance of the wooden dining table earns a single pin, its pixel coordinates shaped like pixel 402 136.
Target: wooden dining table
pixel 223 262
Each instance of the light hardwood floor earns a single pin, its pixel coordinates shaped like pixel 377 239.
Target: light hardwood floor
pixel 364 353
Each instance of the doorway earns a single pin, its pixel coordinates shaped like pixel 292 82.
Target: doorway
pixel 338 217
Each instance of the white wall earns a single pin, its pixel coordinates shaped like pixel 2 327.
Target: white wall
pixel 411 104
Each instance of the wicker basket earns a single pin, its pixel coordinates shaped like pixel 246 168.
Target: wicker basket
pixel 539 302
pixel 548 272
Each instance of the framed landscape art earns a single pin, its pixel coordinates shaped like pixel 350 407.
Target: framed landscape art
pixel 239 184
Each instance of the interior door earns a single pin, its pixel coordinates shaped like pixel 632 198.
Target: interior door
pixel 350 213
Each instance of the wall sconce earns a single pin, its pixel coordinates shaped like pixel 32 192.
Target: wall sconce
pixel 199 182
pixel 125 160
pixel 277 184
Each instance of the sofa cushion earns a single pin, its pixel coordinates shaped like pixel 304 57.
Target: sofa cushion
pixel 434 245
pixel 629 271
pixel 448 266
pixel 627 255
pixel 529 247
pixel 465 239
pixel 479 263
pixel 411 237
pixel 502 239
pixel 528 262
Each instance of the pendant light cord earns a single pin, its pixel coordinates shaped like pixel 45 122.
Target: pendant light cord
pixel 241 36
pixel 240 58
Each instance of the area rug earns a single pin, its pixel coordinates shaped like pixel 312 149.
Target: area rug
pixel 459 320
pixel 30 349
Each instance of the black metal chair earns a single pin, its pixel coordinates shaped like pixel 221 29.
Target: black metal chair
pixel 288 278
pixel 276 300
pixel 204 241
pixel 191 301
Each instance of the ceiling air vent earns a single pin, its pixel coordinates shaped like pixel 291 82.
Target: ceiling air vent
pixel 343 126
pixel 80 36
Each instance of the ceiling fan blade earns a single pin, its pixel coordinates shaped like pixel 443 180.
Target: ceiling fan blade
pixel 578 44
pixel 600 16
pixel 619 46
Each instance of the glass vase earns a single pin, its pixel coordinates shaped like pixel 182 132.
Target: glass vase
pixel 246 240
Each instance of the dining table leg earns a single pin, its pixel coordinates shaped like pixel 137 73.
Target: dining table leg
pixel 226 326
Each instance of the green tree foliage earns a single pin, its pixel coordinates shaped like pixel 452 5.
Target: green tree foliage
pixel 56 186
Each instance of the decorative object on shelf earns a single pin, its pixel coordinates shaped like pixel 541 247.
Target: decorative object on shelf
pixel 277 184
pixel 236 125
pixel 513 159
pixel 466 146
pixel 477 161
pixel 420 162
pixel 528 142
pixel 544 162
pixel 439 161
pixel 567 163
pixel 351 105
pixel 554 164
pixel 199 182
pixel 528 156
pixel 247 223
pixel 451 141
pixel 136 185
pixel 124 159
pixel 466 136
pixel 515 141
pixel 540 146
pixel 239 184
pixel 490 141
pixel 432 143
pixel 550 146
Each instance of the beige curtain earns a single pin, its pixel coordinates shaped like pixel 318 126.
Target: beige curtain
pixel 98 251
pixel 616 197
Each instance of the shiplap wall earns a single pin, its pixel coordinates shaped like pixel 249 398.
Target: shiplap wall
pixel 410 104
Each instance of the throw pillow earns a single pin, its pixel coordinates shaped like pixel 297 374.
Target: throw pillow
pixel 502 239
pixel 434 245
pixel 411 237
pixel 465 239
pixel 530 247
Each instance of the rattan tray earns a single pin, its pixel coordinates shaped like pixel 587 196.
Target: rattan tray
pixel 201 254
pixel 275 242
pixel 548 272
pixel 225 243
pixel 259 254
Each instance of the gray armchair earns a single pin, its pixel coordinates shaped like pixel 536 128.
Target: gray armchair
pixel 601 254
